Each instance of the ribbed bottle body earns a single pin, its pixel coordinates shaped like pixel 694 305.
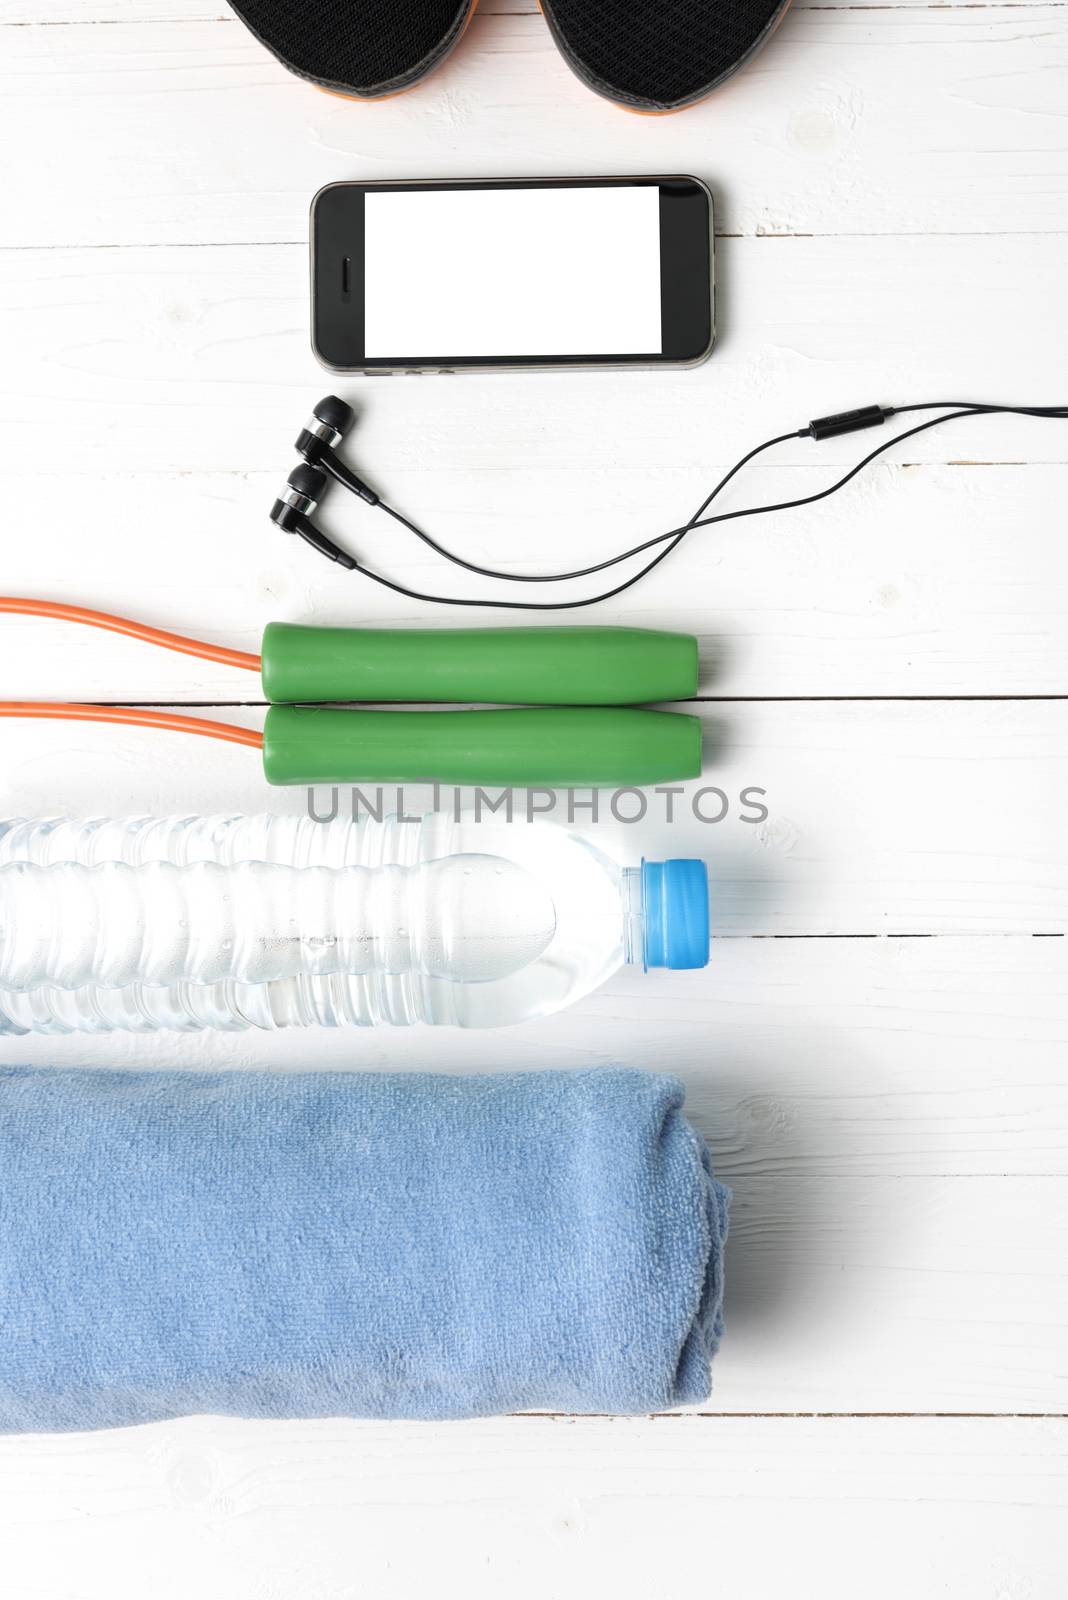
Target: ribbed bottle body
pixel 280 921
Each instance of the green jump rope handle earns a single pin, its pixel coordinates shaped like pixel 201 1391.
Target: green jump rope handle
pixel 499 666
pixel 551 747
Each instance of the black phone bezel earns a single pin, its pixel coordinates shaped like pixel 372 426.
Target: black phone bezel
pixel 686 277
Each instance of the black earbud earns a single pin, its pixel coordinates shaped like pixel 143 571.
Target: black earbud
pixel 293 509
pixel 332 419
pixel 324 430
pixel 319 438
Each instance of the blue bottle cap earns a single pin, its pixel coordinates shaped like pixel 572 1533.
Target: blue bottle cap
pixel 675 914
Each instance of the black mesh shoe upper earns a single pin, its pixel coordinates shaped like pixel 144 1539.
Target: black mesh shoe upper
pixel 658 54
pixel 366 47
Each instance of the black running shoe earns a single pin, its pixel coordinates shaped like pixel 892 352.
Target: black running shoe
pixel 358 47
pixel 659 55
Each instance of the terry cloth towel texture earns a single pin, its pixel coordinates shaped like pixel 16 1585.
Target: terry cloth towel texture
pixel 351 1244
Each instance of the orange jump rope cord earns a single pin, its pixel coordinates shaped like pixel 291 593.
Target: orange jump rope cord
pixel 135 630
pixel 137 716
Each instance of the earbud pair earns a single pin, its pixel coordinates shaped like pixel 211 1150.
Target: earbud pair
pixel 319 438
pixel 332 418
pixel 317 442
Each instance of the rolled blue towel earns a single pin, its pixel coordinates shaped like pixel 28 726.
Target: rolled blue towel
pixel 351 1244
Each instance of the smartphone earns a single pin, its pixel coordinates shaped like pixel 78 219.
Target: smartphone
pixel 530 272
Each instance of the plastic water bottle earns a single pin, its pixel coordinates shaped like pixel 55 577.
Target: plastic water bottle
pixel 281 921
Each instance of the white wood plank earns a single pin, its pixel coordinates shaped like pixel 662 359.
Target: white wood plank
pixel 905 583
pixel 943 580
pixel 896 1295
pixel 198 361
pixel 852 1059
pixel 539 1507
pixel 899 1191
pixel 892 1123
pixel 867 122
pixel 890 1111
pixel 884 818
pixel 851 1293
pixel 52 13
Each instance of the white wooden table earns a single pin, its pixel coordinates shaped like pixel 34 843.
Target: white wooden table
pixel 877 1052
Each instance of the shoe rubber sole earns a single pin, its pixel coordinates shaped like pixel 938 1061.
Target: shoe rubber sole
pixel 635 103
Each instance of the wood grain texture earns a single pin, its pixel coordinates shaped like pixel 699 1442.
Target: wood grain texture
pixel 191 360
pixel 876 1052
pixel 936 580
pixel 895 818
pixel 56 13
pixel 852 1059
pixel 540 1507
pixel 856 123
pixel 891 1116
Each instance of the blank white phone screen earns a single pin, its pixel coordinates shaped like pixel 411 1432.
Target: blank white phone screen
pixel 512 272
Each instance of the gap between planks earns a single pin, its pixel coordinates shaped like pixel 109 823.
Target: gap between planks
pixel 502 10
pixel 796 1416
pixel 724 233
pixel 489 10
pixel 758 233
pixel 692 700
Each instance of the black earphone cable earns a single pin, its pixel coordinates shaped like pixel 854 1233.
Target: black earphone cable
pixel 599 566
pixel 674 536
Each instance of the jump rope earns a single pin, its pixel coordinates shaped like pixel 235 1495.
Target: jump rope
pixel 576 689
